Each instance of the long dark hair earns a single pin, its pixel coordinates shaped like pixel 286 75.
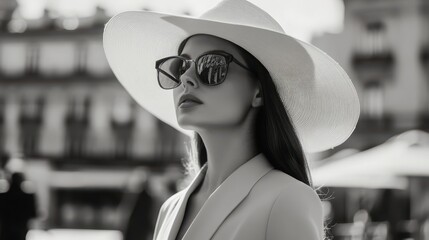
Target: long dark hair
pixel 275 132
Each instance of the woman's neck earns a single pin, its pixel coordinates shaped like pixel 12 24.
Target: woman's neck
pixel 227 149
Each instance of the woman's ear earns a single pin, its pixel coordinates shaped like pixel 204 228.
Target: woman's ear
pixel 257 99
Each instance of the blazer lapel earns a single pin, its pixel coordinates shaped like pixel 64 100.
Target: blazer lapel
pixel 174 219
pixel 222 201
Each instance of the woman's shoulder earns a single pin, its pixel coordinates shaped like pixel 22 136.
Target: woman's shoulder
pixel 293 199
pixel 279 181
pixel 287 192
pixel 293 191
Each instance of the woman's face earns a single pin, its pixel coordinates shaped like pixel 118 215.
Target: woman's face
pixel 225 105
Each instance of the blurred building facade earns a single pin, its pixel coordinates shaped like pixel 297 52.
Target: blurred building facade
pixel 384 47
pixel 81 134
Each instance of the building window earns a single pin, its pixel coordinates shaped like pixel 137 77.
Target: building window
pixel 373 100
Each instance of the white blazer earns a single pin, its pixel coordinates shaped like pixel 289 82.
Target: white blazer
pixel 255 202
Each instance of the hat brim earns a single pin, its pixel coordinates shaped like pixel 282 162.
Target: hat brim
pixel 318 94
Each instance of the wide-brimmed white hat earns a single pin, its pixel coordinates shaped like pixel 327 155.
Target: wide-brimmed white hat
pixel 318 94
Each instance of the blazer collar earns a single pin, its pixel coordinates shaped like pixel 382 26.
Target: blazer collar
pixel 221 202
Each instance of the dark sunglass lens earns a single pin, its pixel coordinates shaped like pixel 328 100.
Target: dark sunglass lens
pixel 171 70
pixel 212 68
pixel 166 81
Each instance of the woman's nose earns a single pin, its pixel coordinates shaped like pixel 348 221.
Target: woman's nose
pixel 189 77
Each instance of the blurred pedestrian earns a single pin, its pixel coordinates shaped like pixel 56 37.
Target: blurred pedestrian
pixel 137 207
pixel 17 203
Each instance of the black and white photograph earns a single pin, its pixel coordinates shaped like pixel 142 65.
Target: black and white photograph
pixel 214 120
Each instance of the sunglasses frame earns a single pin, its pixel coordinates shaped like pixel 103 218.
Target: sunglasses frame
pixel 228 57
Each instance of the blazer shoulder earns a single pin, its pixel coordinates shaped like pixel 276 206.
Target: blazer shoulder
pixel 297 212
pixel 280 181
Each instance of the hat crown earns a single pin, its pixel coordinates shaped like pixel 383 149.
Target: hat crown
pixel 242 12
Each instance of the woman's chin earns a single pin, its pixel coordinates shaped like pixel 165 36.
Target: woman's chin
pixel 187 125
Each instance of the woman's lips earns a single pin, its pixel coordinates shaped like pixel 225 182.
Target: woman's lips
pixel 188 104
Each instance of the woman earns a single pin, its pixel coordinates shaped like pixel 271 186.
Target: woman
pixel 254 100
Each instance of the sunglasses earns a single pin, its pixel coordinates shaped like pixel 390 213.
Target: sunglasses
pixel 211 68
